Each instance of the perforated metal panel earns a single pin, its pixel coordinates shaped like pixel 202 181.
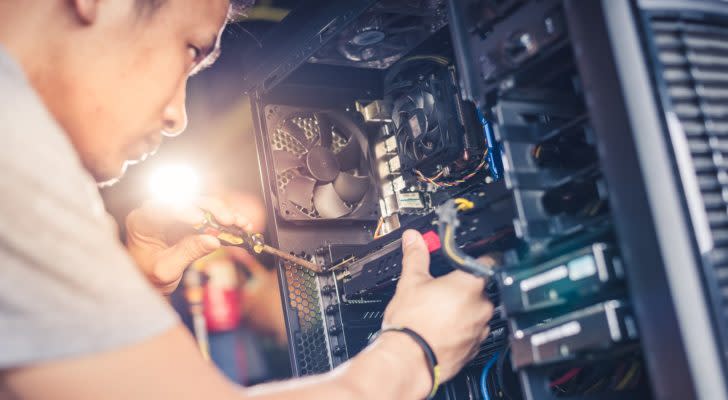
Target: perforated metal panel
pixel 693 66
pixel 306 321
pixel 280 140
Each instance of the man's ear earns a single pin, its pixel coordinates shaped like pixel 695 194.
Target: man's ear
pixel 86 10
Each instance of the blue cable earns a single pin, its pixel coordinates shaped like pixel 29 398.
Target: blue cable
pixel 484 376
pixel 495 164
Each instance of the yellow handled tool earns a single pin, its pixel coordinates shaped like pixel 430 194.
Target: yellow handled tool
pixel 250 241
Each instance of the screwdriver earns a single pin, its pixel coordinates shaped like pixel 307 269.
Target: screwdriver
pixel 250 241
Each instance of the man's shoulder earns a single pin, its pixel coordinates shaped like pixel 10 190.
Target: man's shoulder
pixel 65 274
pixel 27 122
pixel 41 168
pixel 34 146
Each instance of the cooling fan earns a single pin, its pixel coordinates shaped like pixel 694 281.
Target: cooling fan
pixel 384 34
pixel 424 117
pixel 380 38
pixel 415 120
pixel 321 167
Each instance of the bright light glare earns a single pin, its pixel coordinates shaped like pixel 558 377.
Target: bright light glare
pixel 174 184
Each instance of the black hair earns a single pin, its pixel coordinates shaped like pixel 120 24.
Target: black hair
pixel 237 7
pixel 241 6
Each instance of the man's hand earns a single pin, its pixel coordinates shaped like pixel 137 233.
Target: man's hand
pixel 161 239
pixel 451 312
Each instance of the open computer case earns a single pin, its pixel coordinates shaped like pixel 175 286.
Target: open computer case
pixel 591 137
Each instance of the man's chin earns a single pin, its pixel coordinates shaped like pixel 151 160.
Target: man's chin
pixel 109 179
pixel 107 176
pixel 108 183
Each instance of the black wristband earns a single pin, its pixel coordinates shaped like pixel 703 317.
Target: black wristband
pixel 432 364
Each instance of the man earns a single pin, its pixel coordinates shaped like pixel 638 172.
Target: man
pixel 86 85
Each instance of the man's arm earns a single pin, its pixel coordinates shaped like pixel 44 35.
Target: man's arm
pixel 449 312
pixel 170 367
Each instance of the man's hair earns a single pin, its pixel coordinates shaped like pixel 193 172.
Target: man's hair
pixel 241 6
pixel 237 7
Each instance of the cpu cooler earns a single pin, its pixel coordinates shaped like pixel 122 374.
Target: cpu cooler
pixel 424 115
pixel 415 119
pixel 321 165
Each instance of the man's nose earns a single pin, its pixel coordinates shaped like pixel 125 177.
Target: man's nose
pixel 175 113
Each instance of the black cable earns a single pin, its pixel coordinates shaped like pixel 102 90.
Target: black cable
pixel 499 371
pixel 446 228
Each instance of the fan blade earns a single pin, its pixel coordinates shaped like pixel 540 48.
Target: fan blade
pixel 428 101
pixel 296 132
pixel 322 164
pixel 349 155
pixel 351 188
pixel 325 130
pixel 327 202
pixel 300 190
pixel 284 160
pixel 418 98
pixel 402 104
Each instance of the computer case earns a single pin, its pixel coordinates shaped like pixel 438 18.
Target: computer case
pixel 590 134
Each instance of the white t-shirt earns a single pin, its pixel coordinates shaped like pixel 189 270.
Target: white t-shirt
pixel 67 285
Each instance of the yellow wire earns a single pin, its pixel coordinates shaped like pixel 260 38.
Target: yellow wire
pixel 437 59
pixel 379 226
pixel 628 376
pixel 433 180
pixel 464 204
pixel 448 241
pixel 594 387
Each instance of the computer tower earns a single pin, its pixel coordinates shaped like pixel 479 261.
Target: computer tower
pixel 590 135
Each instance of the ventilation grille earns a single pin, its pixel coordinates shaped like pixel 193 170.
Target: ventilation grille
pixel 279 140
pixel 306 321
pixel 694 66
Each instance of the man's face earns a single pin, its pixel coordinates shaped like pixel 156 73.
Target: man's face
pixel 120 84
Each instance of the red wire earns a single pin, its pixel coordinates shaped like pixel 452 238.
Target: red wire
pixel 566 377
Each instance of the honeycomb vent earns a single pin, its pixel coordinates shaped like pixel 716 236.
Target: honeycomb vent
pixel 306 322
